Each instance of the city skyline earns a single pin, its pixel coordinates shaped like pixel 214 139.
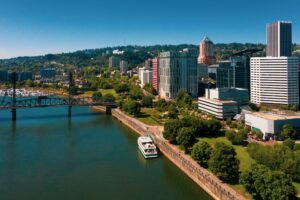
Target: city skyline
pixel 37 28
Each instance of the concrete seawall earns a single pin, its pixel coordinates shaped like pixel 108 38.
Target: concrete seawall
pixel 205 179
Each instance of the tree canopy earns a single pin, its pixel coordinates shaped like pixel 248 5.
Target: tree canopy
pixel 265 184
pixel 288 131
pixel 223 163
pixel 201 153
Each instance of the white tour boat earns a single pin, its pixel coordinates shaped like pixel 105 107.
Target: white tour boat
pixel 147 147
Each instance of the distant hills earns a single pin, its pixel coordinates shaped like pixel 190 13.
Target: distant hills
pixel 135 55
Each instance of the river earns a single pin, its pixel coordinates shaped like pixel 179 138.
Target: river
pixel 46 156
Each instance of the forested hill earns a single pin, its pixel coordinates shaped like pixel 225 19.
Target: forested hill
pixel 135 55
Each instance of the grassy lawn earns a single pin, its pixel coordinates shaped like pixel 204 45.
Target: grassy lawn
pixel 109 91
pixel 103 92
pixel 147 116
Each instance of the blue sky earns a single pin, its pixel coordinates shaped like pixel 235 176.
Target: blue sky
pixel 37 27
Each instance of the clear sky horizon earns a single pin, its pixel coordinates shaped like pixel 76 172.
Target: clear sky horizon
pixel 38 27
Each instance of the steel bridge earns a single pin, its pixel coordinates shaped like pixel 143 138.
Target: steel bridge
pixel 13 103
pixel 51 101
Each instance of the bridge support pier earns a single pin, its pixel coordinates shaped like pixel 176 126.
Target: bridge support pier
pixel 69 111
pixel 14 110
pixel 14 114
pixel 108 110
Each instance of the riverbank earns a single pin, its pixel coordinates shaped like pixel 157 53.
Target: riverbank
pixel 205 179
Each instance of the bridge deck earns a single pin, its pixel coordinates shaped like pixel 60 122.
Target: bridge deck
pixel 44 101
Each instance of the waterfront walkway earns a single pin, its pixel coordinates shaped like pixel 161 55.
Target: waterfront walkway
pixel 205 179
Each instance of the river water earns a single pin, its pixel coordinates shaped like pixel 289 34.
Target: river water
pixel 46 156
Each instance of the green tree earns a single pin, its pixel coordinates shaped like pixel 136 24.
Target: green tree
pixel 92 84
pixel 296 169
pixel 136 93
pixel 147 101
pixel 201 153
pixel 297 147
pixel 162 105
pixel 224 163
pixel 97 96
pixel 258 134
pixel 121 88
pixel 288 131
pixel 183 99
pixel 277 157
pixel 109 97
pixel 132 107
pixel 236 138
pixel 171 129
pixel 73 90
pixel 29 83
pixel 104 84
pixel 213 126
pixel 172 111
pixel 228 122
pixel 88 71
pixel 186 137
pixel 265 184
pixel 290 143
pixel 149 88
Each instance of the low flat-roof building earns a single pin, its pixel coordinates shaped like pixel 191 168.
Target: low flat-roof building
pixel 223 102
pixel 271 123
pixel 240 95
pixel 221 109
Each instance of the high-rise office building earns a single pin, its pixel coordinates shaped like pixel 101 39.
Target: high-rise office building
pixel 178 71
pixel 241 65
pixel 113 61
pixel 279 39
pixel 275 80
pixel 145 76
pixel 155 74
pixel 202 71
pixel 225 75
pixel 234 73
pixel 206 52
pixel 123 67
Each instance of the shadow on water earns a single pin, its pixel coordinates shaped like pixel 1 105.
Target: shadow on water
pixel 11 153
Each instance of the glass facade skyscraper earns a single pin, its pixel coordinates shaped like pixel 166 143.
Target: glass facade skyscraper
pixel 234 73
pixel 279 39
pixel 178 71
